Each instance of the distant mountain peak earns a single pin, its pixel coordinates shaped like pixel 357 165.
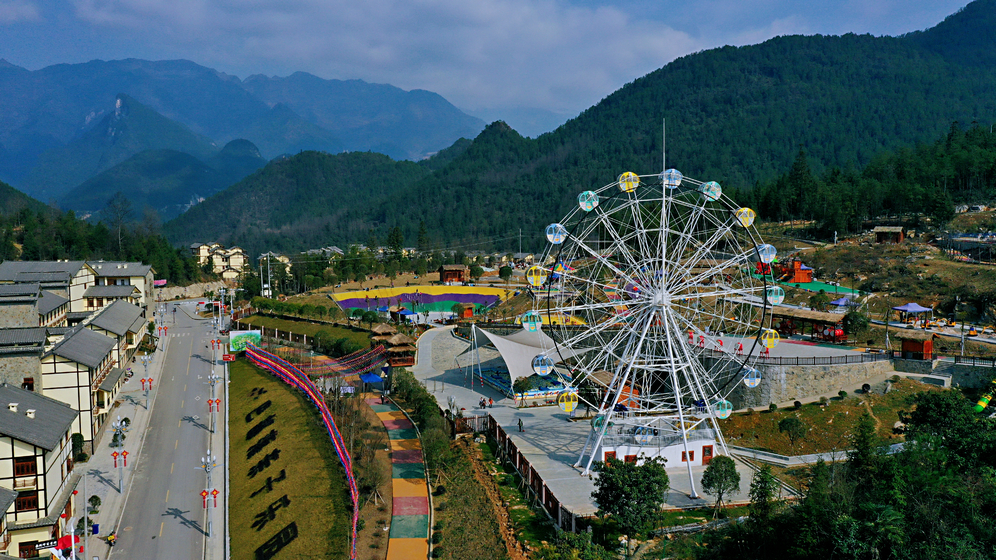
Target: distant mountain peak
pixel 966 37
pixel 4 64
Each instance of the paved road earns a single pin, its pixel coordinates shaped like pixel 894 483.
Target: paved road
pixel 163 516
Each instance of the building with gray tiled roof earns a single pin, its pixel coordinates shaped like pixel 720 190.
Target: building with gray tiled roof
pixel 65 278
pixel 35 448
pixel 72 371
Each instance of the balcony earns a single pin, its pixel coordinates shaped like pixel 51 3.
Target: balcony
pixel 25 483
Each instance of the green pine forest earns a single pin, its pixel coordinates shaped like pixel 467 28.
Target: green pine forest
pixel 31 231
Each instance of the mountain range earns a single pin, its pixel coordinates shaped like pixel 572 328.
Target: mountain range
pixel 63 124
pixel 737 115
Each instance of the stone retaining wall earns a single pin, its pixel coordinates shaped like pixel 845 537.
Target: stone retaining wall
pixel 191 291
pixel 789 383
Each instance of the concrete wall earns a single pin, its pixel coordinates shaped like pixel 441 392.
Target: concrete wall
pixel 789 383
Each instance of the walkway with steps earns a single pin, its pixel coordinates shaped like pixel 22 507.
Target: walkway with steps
pixel 409 534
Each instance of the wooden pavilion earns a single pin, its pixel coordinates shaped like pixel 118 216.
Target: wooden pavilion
pixel 822 326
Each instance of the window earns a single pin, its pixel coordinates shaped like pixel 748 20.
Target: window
pixel 610 455
pixel 28 384
pixel 630 459
pixel 89 302
pixel 26 501
pixel 691 457
pixel 25 466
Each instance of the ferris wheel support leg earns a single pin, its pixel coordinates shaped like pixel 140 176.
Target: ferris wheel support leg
pixel 622 383
pixel 684 439
pixel 584 449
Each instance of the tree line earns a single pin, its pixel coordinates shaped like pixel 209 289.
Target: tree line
pixel 44 233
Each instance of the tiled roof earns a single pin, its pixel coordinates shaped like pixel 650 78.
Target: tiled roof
pixel 119 268
pixel 49 302
pixel 117 317
pixel 32 336
pixel 110 291
pixel 50 424
pixel 112 379
pixel 39 271
pixel 84 346
pixel 11 293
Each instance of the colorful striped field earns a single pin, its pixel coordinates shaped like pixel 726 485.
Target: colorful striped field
pixel 422 298
pixel 409 535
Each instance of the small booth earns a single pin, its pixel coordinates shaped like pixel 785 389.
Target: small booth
pixel 916 344
pixel 888 234
pixel 454 273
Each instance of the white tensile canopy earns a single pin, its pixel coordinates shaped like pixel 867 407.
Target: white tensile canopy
pixel 518 350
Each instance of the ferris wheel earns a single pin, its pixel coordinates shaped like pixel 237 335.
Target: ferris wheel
pixel 656 292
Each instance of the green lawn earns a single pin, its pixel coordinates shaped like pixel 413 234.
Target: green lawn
pixel 361 337
pixel 311 493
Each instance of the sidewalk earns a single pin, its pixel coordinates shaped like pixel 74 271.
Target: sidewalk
pixel 99 477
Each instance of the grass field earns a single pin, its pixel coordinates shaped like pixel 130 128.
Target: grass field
pixel 361 337
pixel 464 517
pixel 303 485
pixel 828 427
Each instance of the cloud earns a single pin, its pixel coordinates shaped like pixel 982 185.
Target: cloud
pixel 485 53
pixel 17 10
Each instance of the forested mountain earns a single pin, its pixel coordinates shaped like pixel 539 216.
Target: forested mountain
pixel 299 202
pixel 737 115
pixel 130 128
pixel 47 109
pixel 165 181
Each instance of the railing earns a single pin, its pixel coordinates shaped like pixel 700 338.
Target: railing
pixel 25 483
pixel 5 540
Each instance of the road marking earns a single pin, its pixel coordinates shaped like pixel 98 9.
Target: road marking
pixel 178 425
pixel 182 403
pixel 161 528
pixel 167 494
pixel 171 465
pixel 184 387
pixel 174 447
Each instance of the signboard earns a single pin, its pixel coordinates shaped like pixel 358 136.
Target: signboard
pixel 159 283
pixel 239 339
pixel 42 545
pixel 228 357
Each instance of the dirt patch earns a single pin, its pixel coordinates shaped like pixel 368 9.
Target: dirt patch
pixel 516 551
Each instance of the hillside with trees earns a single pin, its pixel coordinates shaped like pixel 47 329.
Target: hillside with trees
pixel 31 231
pixel 737 115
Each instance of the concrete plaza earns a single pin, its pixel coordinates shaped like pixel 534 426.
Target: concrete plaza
pixel 550 441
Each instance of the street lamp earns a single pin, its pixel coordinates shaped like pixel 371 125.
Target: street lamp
pixel 213 380
pixel 146 360
pixel 208 463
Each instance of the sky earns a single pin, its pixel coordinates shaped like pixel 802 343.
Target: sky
pixel 487 57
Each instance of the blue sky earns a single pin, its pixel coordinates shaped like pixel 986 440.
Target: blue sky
pixel 485 56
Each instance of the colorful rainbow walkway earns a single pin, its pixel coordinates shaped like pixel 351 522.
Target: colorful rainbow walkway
pixel 409 536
